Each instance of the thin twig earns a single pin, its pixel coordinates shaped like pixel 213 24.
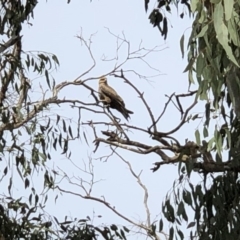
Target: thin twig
pixel 107 205
pixel 145 202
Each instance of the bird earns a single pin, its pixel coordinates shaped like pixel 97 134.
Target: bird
pixel 110 98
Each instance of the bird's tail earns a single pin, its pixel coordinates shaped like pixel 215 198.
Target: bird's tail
pixel 126 112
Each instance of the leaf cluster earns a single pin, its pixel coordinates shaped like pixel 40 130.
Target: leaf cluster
pixel 158 16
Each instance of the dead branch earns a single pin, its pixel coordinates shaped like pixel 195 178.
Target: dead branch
pixel 141 148
pixel 183 95
pixel 146 194
pixel 204 167
pixel 121 124
pixel 181 123
pixel 140 95
pixel 88 46
pixel 141 184
pixel 113 209
pixel 164 109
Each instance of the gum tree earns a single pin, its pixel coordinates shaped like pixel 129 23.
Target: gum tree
pixel 31 130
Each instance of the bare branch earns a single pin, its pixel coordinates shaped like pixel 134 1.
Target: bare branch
pixel 140 95
pixel 113 209
pixel 88 46
pixel 181 123
pixel 164 109
pixel 141 184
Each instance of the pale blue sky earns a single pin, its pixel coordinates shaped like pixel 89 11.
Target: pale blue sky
pixel 55 26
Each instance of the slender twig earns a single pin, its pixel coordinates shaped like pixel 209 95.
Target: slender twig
pixel 181 123
pixel 145 202
pixel 140 95
pixel 164 109
pixel 113 209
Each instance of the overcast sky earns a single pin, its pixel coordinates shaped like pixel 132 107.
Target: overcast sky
pixel 55 27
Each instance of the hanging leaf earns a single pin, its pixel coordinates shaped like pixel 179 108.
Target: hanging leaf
pixel 222 31
pixel 161 3
pixel 58 118
pixel 210 143
pixel 187 197
pixel 171 233
pixel 197 135
pixel 205 132
pixel 203 31
pixel 126 229
pixel 146 4
pixel 55 59
pixel 64 126
pixel 160 225
pixel 70 131
pixel 191 224
pixel 47 78
pixel 27 183
pixel 228 8
pixel 182 45
pixel 180 233
pixel 165 28
pixel 65 147
pixel 207 114
pixel 194 117
pixel 30 199
pixel 194 4
pixel 232 28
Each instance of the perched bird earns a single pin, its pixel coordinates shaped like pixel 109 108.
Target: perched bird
pixel 110 98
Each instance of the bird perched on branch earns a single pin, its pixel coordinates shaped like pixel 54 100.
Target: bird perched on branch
pixel 110 98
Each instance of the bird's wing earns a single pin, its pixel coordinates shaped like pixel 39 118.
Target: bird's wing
pixel 100 94
pixel 105 99
pixel 110 92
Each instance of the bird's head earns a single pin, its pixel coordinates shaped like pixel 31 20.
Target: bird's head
pixel 103 80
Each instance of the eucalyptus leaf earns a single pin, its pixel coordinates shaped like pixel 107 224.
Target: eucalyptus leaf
pixel 194 4
pixel 228 7
pixel 203 31
pixel 197 135
pixel 182 45
pixel 222 31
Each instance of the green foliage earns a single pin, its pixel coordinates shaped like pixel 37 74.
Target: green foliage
pixel 213 62
pixel 28 225
pixel 158 16
pixel 216 209
pixel 214 56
